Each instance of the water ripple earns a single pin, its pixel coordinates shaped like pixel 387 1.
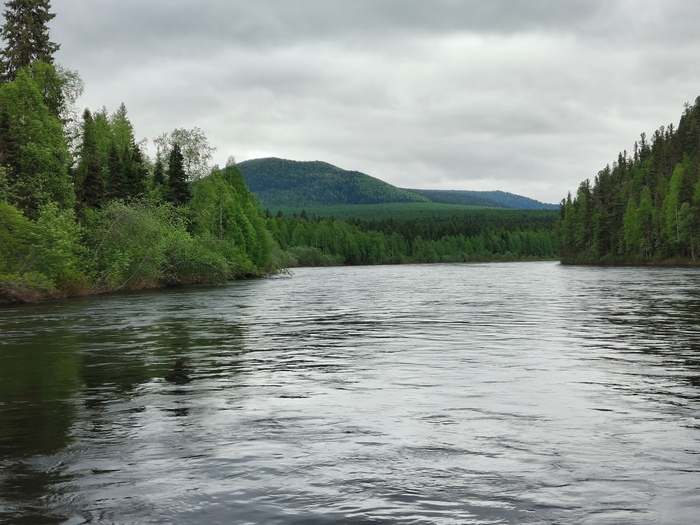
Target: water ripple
pixel 442 394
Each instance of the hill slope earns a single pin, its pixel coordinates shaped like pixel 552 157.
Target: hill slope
pixel 279 182
pixel 495 199
pixel 296 184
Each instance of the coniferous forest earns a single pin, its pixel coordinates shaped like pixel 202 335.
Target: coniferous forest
pixel 476 236
pixel 645 209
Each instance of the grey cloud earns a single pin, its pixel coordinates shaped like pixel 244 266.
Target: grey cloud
pixel 528 95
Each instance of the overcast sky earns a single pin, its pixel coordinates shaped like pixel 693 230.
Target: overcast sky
pixel 525 96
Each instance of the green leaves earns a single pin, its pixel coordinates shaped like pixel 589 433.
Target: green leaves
pixel 32 148
pixel 223 208
pixel 14 238
pixel 43 257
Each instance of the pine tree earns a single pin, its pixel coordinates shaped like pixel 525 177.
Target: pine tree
pixel 26 36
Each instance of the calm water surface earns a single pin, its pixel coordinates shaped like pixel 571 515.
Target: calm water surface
pixel 439 394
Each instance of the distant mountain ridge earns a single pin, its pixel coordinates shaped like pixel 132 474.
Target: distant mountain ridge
pixel 496 199
pixel 290 183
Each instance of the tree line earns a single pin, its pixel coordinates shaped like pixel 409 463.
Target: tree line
pixel 645 208
pixel 315 241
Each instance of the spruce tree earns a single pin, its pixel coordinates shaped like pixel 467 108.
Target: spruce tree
pixel 136 172
pixel 177 178
pixel 89 185
pixel 26 36
pixel 159 184
pixel 116 174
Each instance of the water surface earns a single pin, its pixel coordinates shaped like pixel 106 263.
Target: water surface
pixel 445 394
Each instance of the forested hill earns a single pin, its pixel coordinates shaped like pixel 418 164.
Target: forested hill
pixel 495 199
pixel 288 183
pixel 643 209
pixel 280 182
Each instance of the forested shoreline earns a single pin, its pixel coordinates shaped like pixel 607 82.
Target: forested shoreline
pixel 645 209
pixel 473 237
pixel 84 210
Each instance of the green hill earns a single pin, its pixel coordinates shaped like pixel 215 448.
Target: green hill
pixel 278 182
pixel 494 199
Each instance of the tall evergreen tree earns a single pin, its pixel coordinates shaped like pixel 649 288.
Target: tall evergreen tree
pixel 136 172
pixel 116 174
pixel 159 184
pixel 89 185
pixel 26 36
pixel 177 177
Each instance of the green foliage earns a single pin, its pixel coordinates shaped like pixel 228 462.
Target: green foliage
pixel 60 89
pixel 14 238
pixel 280 183
pixel 406 211
pixel 32 148
pixel 90 187
pixel 146 245
pixel 643 209
pixel 111 164
pixel 223 208
pixel 26 287
pixel 50 86
pixel 431 239
pixel 56 248
pixel 129 244
pixel 192 260
pixel 40 258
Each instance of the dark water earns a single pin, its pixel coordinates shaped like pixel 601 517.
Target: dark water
pixel 455 394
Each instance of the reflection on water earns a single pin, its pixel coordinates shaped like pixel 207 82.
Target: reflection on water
pixel 498 393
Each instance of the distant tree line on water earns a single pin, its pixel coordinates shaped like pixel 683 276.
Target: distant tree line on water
pixel 321 241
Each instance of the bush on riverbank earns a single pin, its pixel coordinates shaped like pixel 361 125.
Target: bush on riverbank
pixel 218 236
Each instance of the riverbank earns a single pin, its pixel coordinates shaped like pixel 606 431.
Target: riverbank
pixel 23 291
pixel 661 263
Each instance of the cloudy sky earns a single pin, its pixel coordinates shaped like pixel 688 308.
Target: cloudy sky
pixel 526 96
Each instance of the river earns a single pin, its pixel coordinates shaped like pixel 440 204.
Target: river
pixel 421 394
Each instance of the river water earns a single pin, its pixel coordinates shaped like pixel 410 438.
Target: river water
pixel 426 394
